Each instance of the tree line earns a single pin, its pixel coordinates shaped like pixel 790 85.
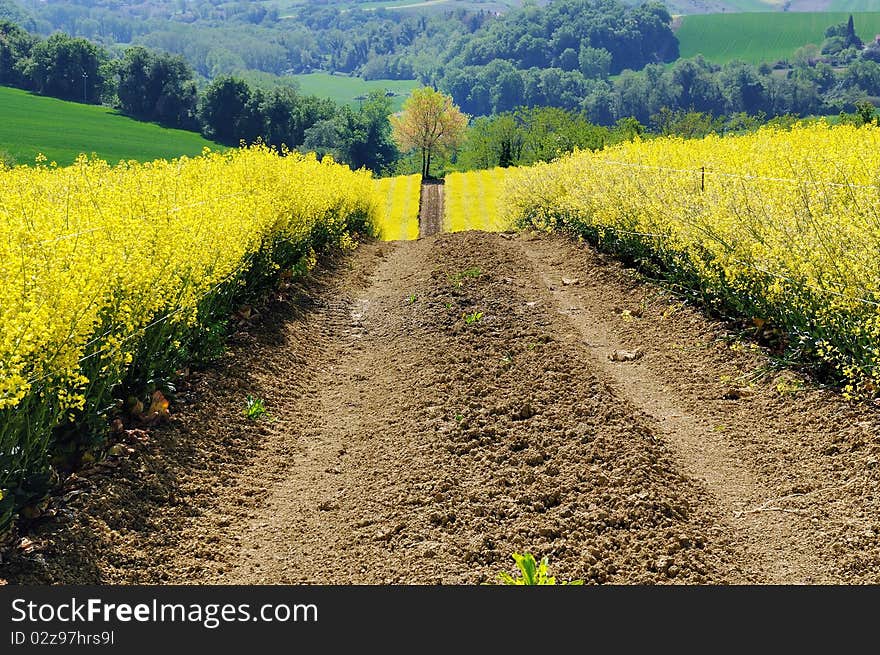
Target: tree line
pixel 159 87
pixel 805 87
pixel 598 57
pixel 535 113
pixel 231 37
pixel 527 136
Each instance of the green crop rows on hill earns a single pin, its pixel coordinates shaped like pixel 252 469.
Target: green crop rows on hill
pixel 62 130
pixel 760 37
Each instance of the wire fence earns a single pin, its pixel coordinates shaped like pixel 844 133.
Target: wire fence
pixel 753 267
pixel 702 172
pixel 705 171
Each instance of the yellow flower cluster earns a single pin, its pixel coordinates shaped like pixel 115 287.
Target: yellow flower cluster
pixel 783 225
pixel 472 200
pixel 92 254
pixel 398 217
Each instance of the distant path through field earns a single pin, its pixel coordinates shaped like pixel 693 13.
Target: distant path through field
pixel 431 208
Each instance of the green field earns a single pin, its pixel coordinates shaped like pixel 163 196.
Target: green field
pixel 760 37
pixel 345 90
pixel 688 7
pixel 62 130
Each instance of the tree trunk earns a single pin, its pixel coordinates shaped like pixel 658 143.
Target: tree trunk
pixel 428 167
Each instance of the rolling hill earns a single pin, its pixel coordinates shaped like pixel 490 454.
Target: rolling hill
pixel 60 130
pixel 346 90
pixel 763 37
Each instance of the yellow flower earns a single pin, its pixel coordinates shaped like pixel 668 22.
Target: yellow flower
pixel 783 220
pixel 91 255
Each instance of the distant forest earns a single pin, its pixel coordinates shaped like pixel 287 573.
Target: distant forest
pixel 601 58
pixel 576 41
pixel 224 68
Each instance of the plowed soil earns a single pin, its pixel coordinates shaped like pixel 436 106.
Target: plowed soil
pixel 436 405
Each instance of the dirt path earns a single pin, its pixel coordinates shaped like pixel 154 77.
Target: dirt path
pixel 438 404
pixel 431 208
pixel 792 468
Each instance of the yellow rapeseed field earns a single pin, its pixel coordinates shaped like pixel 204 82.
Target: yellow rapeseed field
pixel 782 226
pixel 93 257
pixel 471 201
pixel 398 218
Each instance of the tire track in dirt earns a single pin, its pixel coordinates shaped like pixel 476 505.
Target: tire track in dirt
pixel 793 468
pixel 407 444
pixel 172 512
pixel 429 449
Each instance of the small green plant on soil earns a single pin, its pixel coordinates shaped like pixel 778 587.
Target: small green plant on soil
pixel 254 408
pixel 532 572
pixel 473 317
pixel 411 299
pixel 458 279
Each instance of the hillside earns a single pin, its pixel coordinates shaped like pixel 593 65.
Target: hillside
pixel 760 37
pixel 690 7
pixel 346 90
pixel 62 130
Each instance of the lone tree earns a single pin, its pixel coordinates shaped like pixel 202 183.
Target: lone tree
pixel 429 122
